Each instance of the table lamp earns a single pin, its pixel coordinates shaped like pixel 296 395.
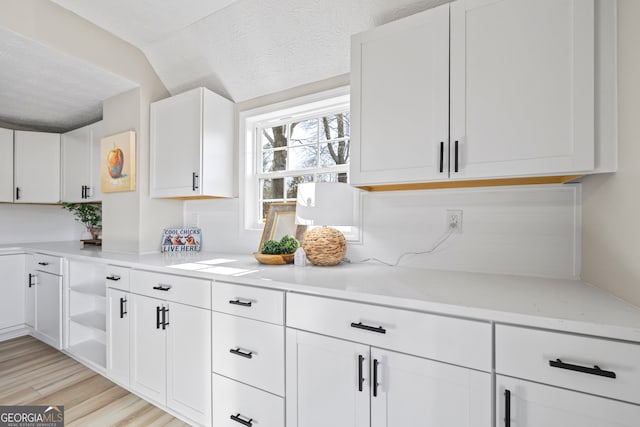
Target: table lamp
pixel 324 204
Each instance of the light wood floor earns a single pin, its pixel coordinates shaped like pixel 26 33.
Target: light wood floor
pixel 32 373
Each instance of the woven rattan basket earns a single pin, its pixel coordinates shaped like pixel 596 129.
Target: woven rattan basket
pixel 324 246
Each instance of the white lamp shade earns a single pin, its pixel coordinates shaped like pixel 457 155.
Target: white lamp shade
pixel 325 203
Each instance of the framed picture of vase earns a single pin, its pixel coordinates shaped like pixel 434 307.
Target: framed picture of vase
pixel 118 162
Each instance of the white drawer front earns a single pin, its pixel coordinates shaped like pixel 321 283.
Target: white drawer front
pixel 249 351
pixel 48 263
pixel 231 398
pixel 185 290
pixel 246 301
pixel 527 353
pixel 457 341
pixel 117 277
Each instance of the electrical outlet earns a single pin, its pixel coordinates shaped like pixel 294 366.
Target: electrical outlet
pixel 454 220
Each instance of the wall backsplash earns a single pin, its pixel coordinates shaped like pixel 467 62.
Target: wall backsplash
pixel 37 223
pixel 533 230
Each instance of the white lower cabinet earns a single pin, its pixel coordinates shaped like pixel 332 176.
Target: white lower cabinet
pixel 556 379
pixel 236 404
pixel 12 307
pixel 367 386
pixel 118 323
pixel 521 403
pixel 118 335
pixel 323 376
pixel 171 356
pixel 49 309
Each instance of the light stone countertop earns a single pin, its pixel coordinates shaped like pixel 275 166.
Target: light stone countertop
pixel 565 305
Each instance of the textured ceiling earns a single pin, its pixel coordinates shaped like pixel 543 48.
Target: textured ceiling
pixel 245 48
pixel 43 89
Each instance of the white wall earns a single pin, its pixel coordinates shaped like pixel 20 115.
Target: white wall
pixel 511 230
pixel 611 230
pixel 37 223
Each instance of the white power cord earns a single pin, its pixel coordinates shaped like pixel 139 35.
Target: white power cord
pixel 436 245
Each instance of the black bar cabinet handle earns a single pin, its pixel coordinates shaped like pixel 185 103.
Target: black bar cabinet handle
pixel 507 408
pixel 43 263
pixel 360 325
pixel 165 316
pixel 237 419
pixel 441 156
pixel 360 376
pixel 17 193
pixel 31 277
pixel 123 301
pixel 158 323
pixel 113 277
pixel 375 378
pixel 584 369
pixel 162 287
pixel 455 149
pixel 194 181
pixel 241 303
pixel 241 353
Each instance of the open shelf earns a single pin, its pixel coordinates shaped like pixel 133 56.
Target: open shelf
pixel 91 319
pixel 91 351
pixel 91 288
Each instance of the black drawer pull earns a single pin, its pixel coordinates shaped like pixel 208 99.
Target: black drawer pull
pixel 43 263
pixel 158 323
pixel 441 156
pixel 194 181
pixel 241 303
pixel 241 353
pixel 378 329
pixel 237 419
pixel 165 312
pixel 360 376
pixel 123 309
pixel 162 287
pixel 113 277
pixel 507 408
pixel 374 381
pixel 585 369
pixel 31 277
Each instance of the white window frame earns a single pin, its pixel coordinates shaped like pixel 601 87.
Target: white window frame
pixel 297 109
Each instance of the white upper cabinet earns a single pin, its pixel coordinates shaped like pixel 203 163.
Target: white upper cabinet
pixel 192 146
pixel 37 167
pixel 400 100
pixel 522 87
pixel 6 165
pixel 81 164
pixel 476 89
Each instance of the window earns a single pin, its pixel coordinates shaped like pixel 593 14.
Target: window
pixel 292 151
pixel 303 140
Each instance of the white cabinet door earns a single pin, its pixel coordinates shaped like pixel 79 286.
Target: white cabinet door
pixel 176 136
pixel 37 167
pixel 420 392
pixel 12 268
pixel 400 100
pixel 118 335
pixel 192 145
pixel 75 152
pixel 323 381
pixel 30 298
pixel 522 87
pixel 97 132
pixel 81 164
pixel 533 404
pixel 49 308
pixel 6 165
pixel 148 348
pixel 189 362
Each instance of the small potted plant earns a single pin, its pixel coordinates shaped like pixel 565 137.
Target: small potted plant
pixel 88 214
